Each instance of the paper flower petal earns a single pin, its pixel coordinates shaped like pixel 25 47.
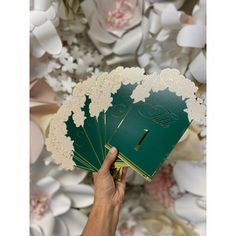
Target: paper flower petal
pixel 192 36
pixel 171 18
pixel 60 204
pixel 48 38
pixel 68 177
pixel 41 5
pixel 81 195
pixel 36 142
pixel 60 228
pixel 100 33
pixel 188 208
pixel 155 22
pixel 160 5
pixel 75 221
pixel 190 177
pixel 129 43
pixel 35 48
pixel 198 68
pixel 35 230
pixel 48 185
pixel 187 149
pixel 47 223
pixel 200 228
pixel 37 18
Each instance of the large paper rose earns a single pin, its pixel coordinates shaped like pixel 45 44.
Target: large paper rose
pixel 55 199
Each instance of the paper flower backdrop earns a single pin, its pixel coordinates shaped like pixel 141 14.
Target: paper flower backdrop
pixel 55 197
pixel 71 41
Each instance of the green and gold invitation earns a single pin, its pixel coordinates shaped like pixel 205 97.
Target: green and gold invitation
pixel 142 115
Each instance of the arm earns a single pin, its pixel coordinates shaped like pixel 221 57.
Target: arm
pixel 109 196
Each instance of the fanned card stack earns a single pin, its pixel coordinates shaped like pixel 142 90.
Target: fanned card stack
pixel 143 116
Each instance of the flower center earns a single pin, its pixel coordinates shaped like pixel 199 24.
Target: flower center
pixel 38 204
pixel 122 12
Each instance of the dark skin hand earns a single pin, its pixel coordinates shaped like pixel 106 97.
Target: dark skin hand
pixel 109 195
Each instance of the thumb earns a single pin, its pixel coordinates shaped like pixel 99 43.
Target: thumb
pixel 110 158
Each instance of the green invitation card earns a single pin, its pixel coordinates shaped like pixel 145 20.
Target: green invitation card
pixel 150 131
pixel 143 116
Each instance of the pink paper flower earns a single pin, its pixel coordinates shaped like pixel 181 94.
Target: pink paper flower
pixel 121 13
pixel 160 185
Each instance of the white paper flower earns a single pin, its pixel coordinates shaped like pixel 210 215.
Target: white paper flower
pixel 43 33
pixel 54 198
pixel 191 179
pixel 111 23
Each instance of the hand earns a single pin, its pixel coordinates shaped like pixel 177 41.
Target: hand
pixel 107 190
pixel 109 195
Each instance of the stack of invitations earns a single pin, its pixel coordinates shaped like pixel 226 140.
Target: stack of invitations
pixel 143 116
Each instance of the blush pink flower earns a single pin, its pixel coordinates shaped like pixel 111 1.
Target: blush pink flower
pixel 121 13
pixel 160 185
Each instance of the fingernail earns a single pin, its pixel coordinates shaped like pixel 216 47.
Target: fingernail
pixel 113 150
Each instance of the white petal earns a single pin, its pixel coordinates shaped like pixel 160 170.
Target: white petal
pixel 36 142
pixel 171 18
pixel 60 204
pixel 46 222
pixel 198 68
pixel 188 208
pixel 60 228
pixel 68 177
pixel 99 33
pixel 49 185
pixel 129 43
pixel 75 221
pixel 35 230
pixel 37 18
pixel 190 177
pixel 192 36
pixel 48 38
pixel 81 195
pixel 200 228
pixel 51 13
pixel 35 48
pixel 160 5
pixel 41 5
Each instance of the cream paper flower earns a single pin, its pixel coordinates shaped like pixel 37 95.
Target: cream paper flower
pixel 55 199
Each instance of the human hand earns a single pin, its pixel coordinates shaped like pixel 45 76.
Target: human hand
pixel 109 195
pixel 107 190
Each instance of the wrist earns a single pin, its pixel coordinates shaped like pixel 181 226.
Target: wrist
pixel 107 208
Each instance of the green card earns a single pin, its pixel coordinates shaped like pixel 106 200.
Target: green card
pixel 83 152
pixel 93 134
pixel 113 117
pixel 150 131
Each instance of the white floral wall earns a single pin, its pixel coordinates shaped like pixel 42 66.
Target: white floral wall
pixel 71 40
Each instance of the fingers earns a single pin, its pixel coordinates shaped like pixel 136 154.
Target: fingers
pixel 110 158
pixel 121 184
pixel 125 169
